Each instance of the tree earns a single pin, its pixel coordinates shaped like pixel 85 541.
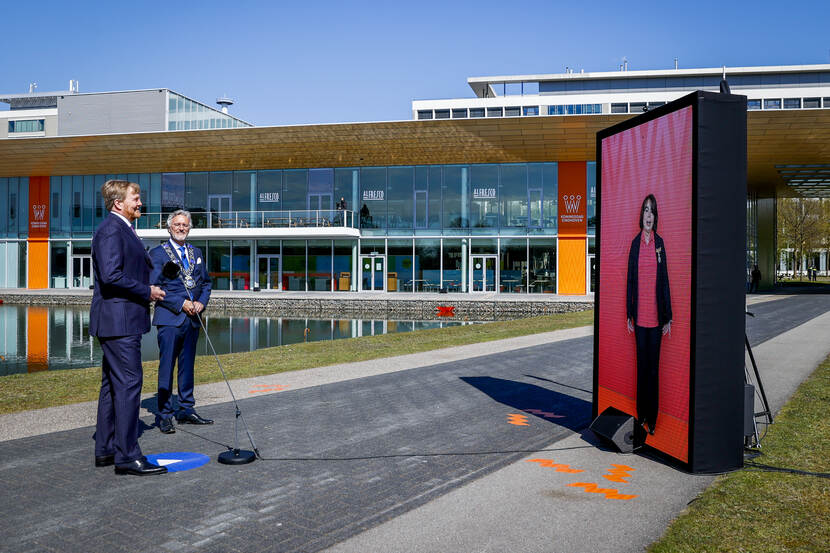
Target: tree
pixel 799 227
pixel 824 229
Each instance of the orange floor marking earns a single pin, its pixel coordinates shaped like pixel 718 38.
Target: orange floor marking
pixel 518 420
pixel 268 388
pixel 619 473
pixel 548 463
pixel 610 493
pixel 546 414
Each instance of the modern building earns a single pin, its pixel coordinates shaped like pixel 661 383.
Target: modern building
pixel 616 92
pixel 73 113
pixel 464 203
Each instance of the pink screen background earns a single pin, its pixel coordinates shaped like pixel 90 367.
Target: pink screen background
pixel 652 158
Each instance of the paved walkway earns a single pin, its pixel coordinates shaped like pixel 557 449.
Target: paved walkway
pixel 406 454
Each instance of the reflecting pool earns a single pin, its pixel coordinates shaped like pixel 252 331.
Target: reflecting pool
pixel 39 338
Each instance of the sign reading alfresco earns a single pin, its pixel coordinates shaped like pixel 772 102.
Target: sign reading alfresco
pixel 265 197
pixel 369 195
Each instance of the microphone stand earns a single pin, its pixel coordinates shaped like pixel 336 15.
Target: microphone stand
pixel 234 456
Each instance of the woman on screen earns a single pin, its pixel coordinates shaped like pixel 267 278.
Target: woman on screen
pixel 648 309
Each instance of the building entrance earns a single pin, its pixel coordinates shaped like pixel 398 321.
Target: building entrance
pixel 268 272
pixel 81 271
pixel 484 273
pixel 373 273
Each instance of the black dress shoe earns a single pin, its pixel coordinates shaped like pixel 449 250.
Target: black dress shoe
pixel 140 467
pixel 192 418
pixel 104 460
pixel 166 426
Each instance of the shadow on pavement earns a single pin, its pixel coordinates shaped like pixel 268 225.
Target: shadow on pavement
pixel 560 409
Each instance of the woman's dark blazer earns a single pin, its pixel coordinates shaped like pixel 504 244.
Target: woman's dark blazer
pixel 663 295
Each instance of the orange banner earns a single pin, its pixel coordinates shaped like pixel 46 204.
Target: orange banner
pixel 38 207
pixel 573 202
pixel 38 257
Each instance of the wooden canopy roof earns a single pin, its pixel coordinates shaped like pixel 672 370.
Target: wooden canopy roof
pixel 775 138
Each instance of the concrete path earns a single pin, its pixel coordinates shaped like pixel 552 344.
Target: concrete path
pixel 526 507
pixel 420 453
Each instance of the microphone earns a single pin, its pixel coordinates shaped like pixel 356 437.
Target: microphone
pixel 171 270
pixel 234 456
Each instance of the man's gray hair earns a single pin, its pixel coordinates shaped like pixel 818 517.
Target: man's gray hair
pixel 176 214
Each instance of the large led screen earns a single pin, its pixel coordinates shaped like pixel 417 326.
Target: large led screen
pixel 645 275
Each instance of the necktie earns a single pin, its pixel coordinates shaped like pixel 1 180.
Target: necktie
pixel 185 263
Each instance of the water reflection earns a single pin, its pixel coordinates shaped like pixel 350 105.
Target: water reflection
pixel 37 338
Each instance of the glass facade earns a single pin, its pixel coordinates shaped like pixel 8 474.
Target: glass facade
pixel 421 228
pixel 184 114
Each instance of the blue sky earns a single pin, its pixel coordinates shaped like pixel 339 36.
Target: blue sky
pixel 328 61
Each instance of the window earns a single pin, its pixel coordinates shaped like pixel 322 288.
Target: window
pixel 812 103
pixel 530 88
pixel 638 107
pixel 827 102
pixel 512 111
pixel 531 110
pixel 772 104
pixel 442 114
pixel 424 114
pixel 652 105
pixel 579 109
pixel 493 112
pixel 28 125
pixel 476 112
pixel 459 113
pixel 619 108
pixel 792 103
pixel 753 104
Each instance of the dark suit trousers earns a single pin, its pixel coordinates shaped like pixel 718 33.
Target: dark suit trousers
pixel 648 365
pixel 116 430
pixel 177 344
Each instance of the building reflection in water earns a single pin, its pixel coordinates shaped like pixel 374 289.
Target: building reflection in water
pixel 37 338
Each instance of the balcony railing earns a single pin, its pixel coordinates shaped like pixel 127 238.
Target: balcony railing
pixel 256 219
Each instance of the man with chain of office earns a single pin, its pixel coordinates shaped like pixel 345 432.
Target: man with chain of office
pixel 177 319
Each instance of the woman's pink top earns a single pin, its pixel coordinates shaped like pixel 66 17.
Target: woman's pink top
pixel 647 284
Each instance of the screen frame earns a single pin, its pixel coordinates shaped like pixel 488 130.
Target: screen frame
pixel 636 121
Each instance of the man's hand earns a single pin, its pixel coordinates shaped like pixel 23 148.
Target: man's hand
pixel 156 293
pixel 198 307
pixel 188 307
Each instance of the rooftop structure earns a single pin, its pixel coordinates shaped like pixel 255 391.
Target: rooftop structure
pixel 610 92
pixel 72 113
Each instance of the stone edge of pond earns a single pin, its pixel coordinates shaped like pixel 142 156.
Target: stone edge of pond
pixel 423 309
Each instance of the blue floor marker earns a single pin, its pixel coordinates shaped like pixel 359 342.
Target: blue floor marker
pixel 178 461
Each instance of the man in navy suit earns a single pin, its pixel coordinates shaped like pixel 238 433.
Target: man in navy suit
pixel 177 319
pixel 120 314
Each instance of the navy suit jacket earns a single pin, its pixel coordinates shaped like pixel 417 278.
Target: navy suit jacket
pixel 121 297
pixel 169 310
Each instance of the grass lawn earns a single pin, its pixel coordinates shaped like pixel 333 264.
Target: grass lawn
pixel 755 510
pixel 20 392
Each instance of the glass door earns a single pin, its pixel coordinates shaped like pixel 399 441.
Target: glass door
pixel 81 271
pixel 319 202
pixel 534 207
pixel 373 273
pixel 319 207
pixel 592 273
pixel 484 273
pixel 268 272
pixel 219 207
pixel 421 208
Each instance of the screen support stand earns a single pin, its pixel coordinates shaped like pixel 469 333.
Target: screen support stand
pixel 767 412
